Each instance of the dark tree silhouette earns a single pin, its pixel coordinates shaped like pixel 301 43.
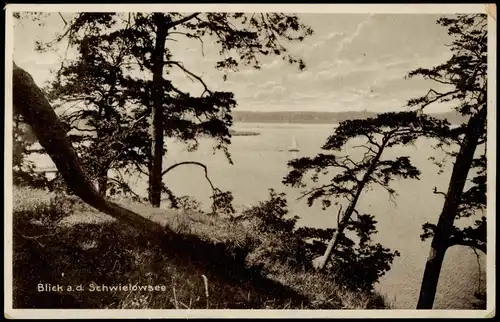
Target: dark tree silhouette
pixel 462 80
pixel 30 102
pixel 100 128
pixel 352 176
pixel 139 42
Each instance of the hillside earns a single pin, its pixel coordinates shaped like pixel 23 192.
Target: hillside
pixel 319 117
pixel 204 262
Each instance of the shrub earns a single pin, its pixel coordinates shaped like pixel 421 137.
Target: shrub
pixel 357 264
pixel 271 214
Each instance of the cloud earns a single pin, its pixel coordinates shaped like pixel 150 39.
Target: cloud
pixel 273 92
pixel 275 63
pixel 334 35
pixel 348 40
pixel 353 62
pixel 266 84
pixel 363 93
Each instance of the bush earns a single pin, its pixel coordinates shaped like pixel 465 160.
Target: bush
pixel 40 208
pixel 359 263
pixel 275 241
pixel 356 265
pixel 270 214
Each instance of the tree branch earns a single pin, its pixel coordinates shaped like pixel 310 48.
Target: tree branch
pixel 182 20
pixel 65 22
pixel 436 192
pixel 475 244
pixel 438 97
pixel 370 139
pixel 369 149
pixel 214 190
pixel 169 62
pixel 125 186
pixel 316 189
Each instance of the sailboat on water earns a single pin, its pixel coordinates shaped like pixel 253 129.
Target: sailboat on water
pixel 294 147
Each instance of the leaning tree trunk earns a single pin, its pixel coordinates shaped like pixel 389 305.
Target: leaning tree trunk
pixel 30 101
pixel 334 241
pixel 441 239
pixel 155 176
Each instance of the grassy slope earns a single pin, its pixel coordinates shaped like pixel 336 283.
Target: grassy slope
pixel 59 240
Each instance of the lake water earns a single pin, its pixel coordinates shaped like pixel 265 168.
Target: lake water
pixel 260 163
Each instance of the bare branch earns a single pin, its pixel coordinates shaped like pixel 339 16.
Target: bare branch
pixel 370 139
pixel 182 20
pixel 314 190
pixel 366 147
pixel 437 98
pixel 345 157
pixel 123 185
pixel 190 35
pixel 441 81
pixel 214 190
pixel 190 73
pixel 138 167
pixel 65 22
pixel 436 192
pixel 178 91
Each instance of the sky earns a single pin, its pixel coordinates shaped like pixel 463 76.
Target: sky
pixel 354 62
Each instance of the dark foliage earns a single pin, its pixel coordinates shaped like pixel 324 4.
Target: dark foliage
pixel 359 262
pixel 114 103
pixel 356 266
pixel 462 80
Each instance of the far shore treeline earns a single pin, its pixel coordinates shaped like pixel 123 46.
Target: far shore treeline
pixel 311 117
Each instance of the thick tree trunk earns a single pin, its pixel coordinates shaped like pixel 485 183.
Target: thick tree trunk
pixel 155 177
pixel 30 101
pixel 332 245
pixel 441 239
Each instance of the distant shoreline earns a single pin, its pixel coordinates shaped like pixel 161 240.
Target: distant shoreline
pixel 310 117
pixel 243 133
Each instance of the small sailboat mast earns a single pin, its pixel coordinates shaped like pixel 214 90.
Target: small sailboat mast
pixel 294 147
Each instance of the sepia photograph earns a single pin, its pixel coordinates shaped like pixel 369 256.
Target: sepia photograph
pixel 250 160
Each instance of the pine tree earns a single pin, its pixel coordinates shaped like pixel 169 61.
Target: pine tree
pixel 144 37
pixel 351 176
pixel 462 80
